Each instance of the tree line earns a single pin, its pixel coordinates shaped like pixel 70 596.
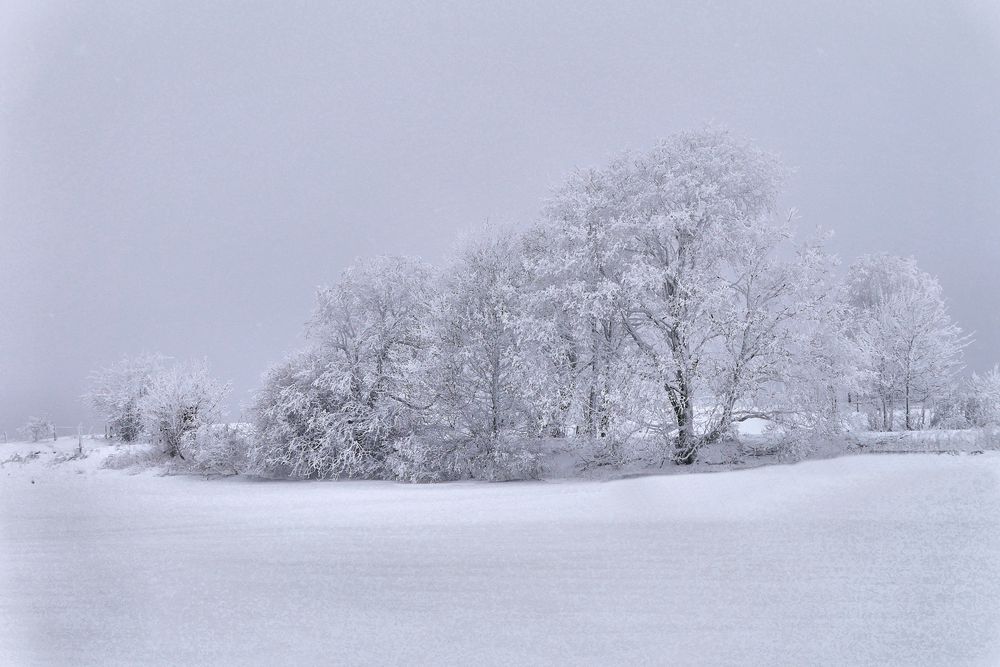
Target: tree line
pixel 658 300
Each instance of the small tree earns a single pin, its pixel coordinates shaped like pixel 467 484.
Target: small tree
pixel 478 365
pixel 117 391
pixel 180 400
pixel 38 428
pixel 478 352
pixel 221 449
pixel 984 391
pixel 585 374
pixel 298 420
pixel 908 347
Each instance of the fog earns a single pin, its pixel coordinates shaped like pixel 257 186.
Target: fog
pixel 179 178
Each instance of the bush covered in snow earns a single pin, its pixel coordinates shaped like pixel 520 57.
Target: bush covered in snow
pixel 417 459
pixel 219 449
pixel 134 456
pixel 504 461
pixel 179 401
pixel 334 409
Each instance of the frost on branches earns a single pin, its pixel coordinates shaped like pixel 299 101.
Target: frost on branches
pixel 984 390
pixel 117 391
pixel 477 361
pixel 335 408
pixel 179 401
pixel 176 406
pixel 675 264
pixel 909 349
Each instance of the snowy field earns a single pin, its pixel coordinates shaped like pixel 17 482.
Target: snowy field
pixel 885 559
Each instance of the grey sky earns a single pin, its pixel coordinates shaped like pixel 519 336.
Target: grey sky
pixel 178 177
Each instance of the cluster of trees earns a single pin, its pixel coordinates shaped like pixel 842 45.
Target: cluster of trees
pixel 171 404
pixel 974 403
pixel 657 300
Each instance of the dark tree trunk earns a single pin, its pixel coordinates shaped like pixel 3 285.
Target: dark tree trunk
pixel 686 442
pixel 909 425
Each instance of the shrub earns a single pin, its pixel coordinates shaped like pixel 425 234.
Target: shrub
pixel 505 462
pixel 219 449
pixel 311 422
pixel 179 401
pixel 134 456
pixel 417 460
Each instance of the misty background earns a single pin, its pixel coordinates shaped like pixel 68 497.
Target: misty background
pixel 178 178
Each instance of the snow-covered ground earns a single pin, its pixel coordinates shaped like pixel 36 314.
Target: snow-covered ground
pixel 888 559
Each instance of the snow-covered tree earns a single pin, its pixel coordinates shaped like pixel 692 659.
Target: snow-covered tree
pixel 181 399
pixel 975 402
pixel 220 448
pixel 675 251
pixel 478 365
pixel 38 428
pixel 298 420
pixel 780 347
pixel 116 393
pixel 984 391
pixel 369 324
pixel 909 348
pixel 576 302
pixel 335 408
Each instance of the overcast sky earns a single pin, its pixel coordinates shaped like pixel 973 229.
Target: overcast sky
pixel 179 177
